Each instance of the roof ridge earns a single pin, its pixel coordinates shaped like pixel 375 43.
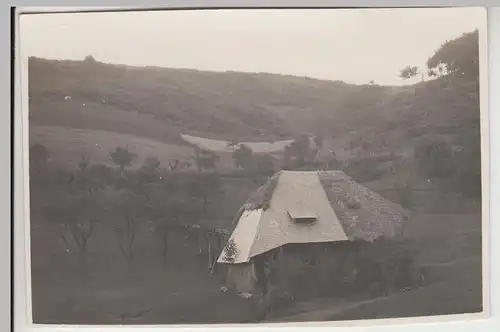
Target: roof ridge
pixel 257 231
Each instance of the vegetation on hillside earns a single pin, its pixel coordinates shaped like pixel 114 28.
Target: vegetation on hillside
pixel 160 103
pixel 78 201
pixel 428 131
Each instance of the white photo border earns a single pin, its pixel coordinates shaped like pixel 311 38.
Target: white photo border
pixel 21 247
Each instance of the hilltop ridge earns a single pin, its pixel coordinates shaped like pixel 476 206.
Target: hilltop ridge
pixel 162 103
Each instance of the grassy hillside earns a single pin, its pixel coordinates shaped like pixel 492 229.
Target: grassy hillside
pixel 108 234
pixel 160 103
pixel 97 144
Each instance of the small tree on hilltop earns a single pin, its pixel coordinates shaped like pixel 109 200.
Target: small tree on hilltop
pixel 122 157
pixel 408 72
pixel 89 59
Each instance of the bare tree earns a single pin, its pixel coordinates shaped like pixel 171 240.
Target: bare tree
pixel 205 187
pixel 76 225
pixel 77 211
pixel 173 164
pixel 130 207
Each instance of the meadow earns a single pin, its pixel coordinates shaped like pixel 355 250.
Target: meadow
pixel 113 184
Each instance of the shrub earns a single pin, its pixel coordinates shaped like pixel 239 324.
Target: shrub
pixel 434 157
pixel 231 251
pixel 356 267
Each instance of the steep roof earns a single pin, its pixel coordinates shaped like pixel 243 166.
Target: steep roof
pixel 343 210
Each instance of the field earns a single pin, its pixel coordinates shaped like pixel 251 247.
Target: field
pixel 224 146
pixel 68 145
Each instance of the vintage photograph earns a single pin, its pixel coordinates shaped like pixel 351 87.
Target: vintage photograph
pixel 254 165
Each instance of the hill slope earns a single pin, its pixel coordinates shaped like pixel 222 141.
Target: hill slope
pixel 161 103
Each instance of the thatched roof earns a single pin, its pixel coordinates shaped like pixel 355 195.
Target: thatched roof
pixel 364 214
pixel 345 211
pixel 260 198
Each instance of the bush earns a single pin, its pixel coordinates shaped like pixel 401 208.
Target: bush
pixel 353 268
pixel 434 157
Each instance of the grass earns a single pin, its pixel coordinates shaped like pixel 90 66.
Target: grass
pixel 160 103
pixel 111 291
pixel 68 145
pixel 147 109
pixel 457 295
pixel 183 292
pixel 107 286
pixel 449 247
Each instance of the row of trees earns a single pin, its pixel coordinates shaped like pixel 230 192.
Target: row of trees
pixel 82 200
pixel 295 154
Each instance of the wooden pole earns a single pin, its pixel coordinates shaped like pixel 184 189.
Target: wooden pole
pixel 209 257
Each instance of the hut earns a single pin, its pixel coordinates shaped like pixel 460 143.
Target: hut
pixel 304 209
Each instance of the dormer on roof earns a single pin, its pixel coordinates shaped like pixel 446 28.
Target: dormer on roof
pixel 302 216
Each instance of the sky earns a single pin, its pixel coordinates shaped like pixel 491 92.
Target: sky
pixel 355 46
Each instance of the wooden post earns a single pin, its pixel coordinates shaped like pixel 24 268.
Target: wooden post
pixel 209 257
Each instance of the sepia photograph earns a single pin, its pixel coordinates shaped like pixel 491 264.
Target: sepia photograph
pixel 244 166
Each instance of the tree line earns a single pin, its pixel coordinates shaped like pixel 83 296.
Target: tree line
pixel 77 202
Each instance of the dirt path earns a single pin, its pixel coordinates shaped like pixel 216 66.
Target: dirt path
pixel 322 314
